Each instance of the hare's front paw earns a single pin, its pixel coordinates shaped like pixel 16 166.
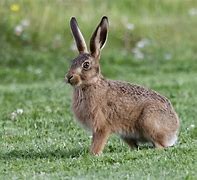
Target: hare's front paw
pixel 95 153
pixel 99 140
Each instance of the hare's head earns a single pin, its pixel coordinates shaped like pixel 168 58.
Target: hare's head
pixel 85 67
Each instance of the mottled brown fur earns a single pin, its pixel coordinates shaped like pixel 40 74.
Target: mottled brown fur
pixel 104 106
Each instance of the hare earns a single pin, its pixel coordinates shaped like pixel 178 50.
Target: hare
pixel 105 106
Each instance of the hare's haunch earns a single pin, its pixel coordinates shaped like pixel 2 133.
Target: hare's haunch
pixel 104 106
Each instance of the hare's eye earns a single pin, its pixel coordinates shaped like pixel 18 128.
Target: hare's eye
pixel 86 65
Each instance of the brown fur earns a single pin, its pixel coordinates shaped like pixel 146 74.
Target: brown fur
pixel 104 106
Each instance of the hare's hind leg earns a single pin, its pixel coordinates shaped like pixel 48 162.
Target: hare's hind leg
pixel 161 137
pixel 159 128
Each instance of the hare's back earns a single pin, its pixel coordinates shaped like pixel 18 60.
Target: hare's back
pixel 135 92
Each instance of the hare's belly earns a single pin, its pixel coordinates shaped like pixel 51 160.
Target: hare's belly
pixel 137 136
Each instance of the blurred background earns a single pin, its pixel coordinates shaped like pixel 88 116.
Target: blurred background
pixel 36 43
pixel 150 42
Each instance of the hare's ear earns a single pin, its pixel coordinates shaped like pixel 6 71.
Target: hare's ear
pixel 80 42
pixel 99 37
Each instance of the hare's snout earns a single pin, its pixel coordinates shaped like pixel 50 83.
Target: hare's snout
pixel 73 79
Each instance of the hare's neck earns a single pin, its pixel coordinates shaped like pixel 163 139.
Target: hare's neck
pixel 78 95
pixel 91 82
pixel 89 88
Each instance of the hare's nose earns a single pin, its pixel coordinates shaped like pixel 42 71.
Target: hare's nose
pixel 68 78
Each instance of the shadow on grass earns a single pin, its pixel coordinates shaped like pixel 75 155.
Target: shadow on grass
pixel 56 153
pixel 32 154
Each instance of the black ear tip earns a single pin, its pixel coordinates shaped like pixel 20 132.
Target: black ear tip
pixel 73 19
pixel 105 18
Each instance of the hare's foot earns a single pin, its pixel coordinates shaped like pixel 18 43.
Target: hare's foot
pixel 99 140
pixel 158 145
pixel 165 142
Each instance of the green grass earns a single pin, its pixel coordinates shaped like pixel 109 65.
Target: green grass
pixel 45 142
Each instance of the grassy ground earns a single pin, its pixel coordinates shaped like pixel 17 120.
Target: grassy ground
pixel 39 138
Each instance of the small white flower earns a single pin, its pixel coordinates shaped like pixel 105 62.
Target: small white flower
pixel 19 111
pixel 142 43
pixel 13 116
pixel 192 12
pixel 18 30
pixel 137 53
pixel 130 26
pixel 16 113
pixel 25 23
pixel 192 126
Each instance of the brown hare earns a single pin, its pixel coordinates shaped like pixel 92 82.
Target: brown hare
pixel 105 106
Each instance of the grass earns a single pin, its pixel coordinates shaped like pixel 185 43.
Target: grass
pixel 45 142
